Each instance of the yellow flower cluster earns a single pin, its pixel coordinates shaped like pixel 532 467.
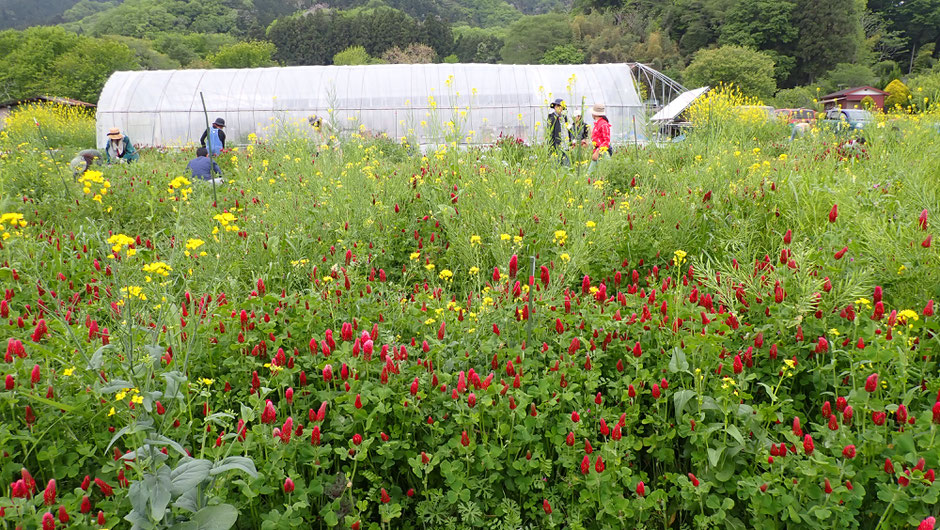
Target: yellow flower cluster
pixel 227 220
pixel 134 292
pixel 13 220
pixel 180 183
pixel 679 257
pixel 157 267
pixel 119 241
pixel 560 237
pixel 94 179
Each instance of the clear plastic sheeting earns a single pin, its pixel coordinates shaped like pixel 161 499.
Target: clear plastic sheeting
pixel 428 104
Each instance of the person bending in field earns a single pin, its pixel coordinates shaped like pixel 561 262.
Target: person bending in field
pixel 83 161
pixel 202 167
pixel 119 149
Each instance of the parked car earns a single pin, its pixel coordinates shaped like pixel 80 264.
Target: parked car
pixel 847 119
pixel 755 112
pixel 792 116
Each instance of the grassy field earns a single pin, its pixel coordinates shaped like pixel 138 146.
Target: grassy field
pixel 733 331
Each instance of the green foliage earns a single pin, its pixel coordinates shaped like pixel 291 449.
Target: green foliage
pixel 925 89
pixel 190 48
pixel 529 38
pixel 899 96
pixel 798 97
pixel 764 25
pixel 197 343
pixel 52 61
pixel 316 38
pixel 252 54
pixel 750 71
pixel 477 45
pixel 847 75
pixel 352 56
pixel 87 8
pixel 150 18
pixel 829 33
pixel 565 54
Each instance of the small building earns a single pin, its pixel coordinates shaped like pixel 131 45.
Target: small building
pixel 851 98
pixel 7 107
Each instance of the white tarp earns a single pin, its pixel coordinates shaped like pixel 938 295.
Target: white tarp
pixel 678 105
pixel 164 107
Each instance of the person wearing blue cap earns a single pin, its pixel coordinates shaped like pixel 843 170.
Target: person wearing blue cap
pixel 559 135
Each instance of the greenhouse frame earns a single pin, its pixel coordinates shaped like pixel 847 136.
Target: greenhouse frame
pixel 427 104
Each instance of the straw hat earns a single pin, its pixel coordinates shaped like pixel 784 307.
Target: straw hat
pixel 115 134
pixel 598 109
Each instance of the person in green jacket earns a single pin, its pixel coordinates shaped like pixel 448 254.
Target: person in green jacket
pixel 119 148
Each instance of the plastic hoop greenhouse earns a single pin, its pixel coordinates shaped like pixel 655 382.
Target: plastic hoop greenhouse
pixel 427 104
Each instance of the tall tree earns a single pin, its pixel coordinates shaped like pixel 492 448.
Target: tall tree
pixel 829 33
pixel 530 37
pixel 764 25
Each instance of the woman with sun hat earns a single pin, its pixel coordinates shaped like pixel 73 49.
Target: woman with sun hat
pixel 119 148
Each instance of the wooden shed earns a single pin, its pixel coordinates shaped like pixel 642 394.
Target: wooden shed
pixel 851 98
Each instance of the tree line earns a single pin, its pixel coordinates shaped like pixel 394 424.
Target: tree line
pixel 791 49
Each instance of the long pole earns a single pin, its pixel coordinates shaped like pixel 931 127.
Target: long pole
pixel 636 140
pixel 51 157
pixel 215 198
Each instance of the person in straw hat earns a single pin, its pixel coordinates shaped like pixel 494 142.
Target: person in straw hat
pixel 600 134
pixel 119 148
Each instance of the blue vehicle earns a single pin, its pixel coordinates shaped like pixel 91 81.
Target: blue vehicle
pixel 847 120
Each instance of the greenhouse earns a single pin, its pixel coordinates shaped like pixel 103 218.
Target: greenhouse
pixel 428 104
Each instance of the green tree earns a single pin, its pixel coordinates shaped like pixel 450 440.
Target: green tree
pixel 82 72
pixel 899 95
pixel 352 56
pixel 529 38
pixel 829 33
pixel 28 58
pixel 847 75
pixel 763 25
pixel 565 54
pixel 252 54
pixel 749 70
pixel 797 97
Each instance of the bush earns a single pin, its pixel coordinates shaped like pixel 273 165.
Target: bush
pixel 899 96
pixel 253 54
pixel 565 54
pixel 353 55
pixel 750 71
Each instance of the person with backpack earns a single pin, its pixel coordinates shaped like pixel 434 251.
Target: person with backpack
pixel 558 133
pixel 216 137
pixel 600 134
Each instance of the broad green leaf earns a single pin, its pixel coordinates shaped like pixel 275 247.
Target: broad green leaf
pixel 234 462
pixel 189 474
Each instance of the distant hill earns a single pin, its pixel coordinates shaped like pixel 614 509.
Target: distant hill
pixel 21 14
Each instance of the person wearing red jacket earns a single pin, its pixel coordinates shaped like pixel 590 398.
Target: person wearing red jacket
pixel 600 134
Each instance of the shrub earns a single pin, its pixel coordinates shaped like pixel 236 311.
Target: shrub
pixel 752 72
